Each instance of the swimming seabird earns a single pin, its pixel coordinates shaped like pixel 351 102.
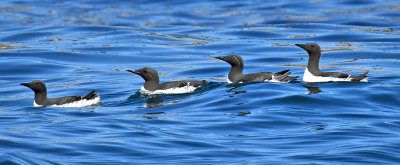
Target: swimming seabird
pixel 41 99
pixel 152 83
pixel 236 73
pixel 314 74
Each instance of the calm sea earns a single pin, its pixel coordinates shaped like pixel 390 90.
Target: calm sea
pixel 78 46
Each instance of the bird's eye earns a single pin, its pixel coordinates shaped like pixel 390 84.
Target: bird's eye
pixel 234 58
pixel 145 71
pixel 312 46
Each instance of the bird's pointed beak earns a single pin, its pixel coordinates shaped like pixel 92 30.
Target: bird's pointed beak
pixel 219 57
pixel 133 71
pixel 300 45
pixel 25 84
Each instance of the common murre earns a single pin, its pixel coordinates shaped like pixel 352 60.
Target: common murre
pixel 152 83
pixel 41 99
pixel 236 73
pixel 313 74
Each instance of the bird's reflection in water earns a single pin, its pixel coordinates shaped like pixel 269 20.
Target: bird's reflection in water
pixel 316 125
pixel 312 90
pixel 243 113
pixel 235 89
pixel 151 115
pixel 152 101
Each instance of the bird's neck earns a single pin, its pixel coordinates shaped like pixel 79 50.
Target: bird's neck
pixel 40 97
pixel 235 73
pixel 313 63
pixel 151 85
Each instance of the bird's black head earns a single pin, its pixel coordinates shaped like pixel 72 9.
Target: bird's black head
pixel 234 60
pixel 311 48
pixel 36 85
pixel 148 74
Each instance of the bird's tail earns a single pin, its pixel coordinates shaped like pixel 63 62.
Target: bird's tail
pixel 282 72
pixel 280 77
pixel 360 77
pixel 283 76
pixel 90 95
pixel 290 78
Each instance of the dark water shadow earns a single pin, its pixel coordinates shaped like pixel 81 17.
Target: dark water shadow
pixel 236 88
pixel 312 89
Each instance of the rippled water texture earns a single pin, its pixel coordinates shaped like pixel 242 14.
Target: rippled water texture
pixel 75 47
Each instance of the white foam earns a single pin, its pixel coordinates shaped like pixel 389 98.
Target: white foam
pixel 80 103
pixel 186 89
pixel 308 77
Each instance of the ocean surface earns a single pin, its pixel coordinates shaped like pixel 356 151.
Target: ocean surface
pixel 78 46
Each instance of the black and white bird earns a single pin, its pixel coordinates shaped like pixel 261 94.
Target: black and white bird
pixel 41 99
pixel 314 74
pixel 152 83
pixel 236 73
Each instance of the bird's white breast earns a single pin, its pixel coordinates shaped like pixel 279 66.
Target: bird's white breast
pixel 36 105
pixel 227 80
pixel 266 80
pixel 80 103
pixel 176 90
pixel 309 77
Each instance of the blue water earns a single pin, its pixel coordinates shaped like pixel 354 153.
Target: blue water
pixel 75 47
